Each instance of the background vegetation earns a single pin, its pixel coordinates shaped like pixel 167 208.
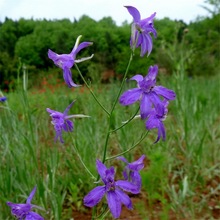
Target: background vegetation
pixel 28 41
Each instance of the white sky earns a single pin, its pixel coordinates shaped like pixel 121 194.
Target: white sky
pixel 186 10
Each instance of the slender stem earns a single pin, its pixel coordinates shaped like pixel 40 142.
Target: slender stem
pixel 129 120
pixel 93 94
pixel 113 107
pixel 80 158
pixel 123 81
pixel 128 150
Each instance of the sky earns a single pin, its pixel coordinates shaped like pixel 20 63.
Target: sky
pixel 187 10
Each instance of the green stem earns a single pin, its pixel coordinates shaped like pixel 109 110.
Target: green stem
pixel 80 158
pixel 128 150
pixel 113 107
pixel 123 81
pixel 93 94
pixel 129 120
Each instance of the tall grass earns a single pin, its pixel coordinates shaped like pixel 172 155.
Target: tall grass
pixel 182 173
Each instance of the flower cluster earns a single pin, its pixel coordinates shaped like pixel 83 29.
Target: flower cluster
pixel 114 190
pixel 153 100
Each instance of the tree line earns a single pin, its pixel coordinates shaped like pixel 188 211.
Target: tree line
pixel 26 42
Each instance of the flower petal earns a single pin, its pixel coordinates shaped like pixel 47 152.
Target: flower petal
pixel 131 96
pixel 19 210
pixel 101 168
pixel 33 216
pixel 68 126
pixel 67 75
pixel 166 93
pixel 30 197
pixel 122 159
pixel 127 186
pixel 68 108
pixel 145 106
pixel 124 198
pixel 114 203
pixel 134 13
pixel 94 196
pixel 137 78
pixel 80 47
pixel 84 59
pixel 138 164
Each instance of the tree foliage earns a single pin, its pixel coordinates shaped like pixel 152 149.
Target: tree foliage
pixel 29 40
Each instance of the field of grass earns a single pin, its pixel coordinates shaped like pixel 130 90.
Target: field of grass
pixel 181 179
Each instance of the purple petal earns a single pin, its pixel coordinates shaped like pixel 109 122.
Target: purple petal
pixel 33 216
pixel 161 132
pixel 134 13
pixel 68 126
pixel 158 103
pixel 53 56
pixel 166 93
pixel 127 186
pixel 30 197
pixel 149 44
pixel 130 96
pixel 147 21
pixel 101 168
pixel 154 122
pixel 124 198
pixel 67 75
pixel 80 47
pixel 19 210
pixel 138 78
pixel 122 159
pixel 94 196
pixel 138 164
pixel 136 179
pixel 68 108
pixel 152 73
pixel 145 106
pixel 114 203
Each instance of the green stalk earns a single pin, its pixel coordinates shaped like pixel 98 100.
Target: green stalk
pixel 93 94
pixel 113 108
pixel 131 148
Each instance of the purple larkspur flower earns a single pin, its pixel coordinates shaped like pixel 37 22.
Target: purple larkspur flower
pixel 147 93
pixel 66 61
pixel 140 31
pixel 3 99
pixel 23 211
pixel 131 171
pixel 61 121
pixel 155 120
pixel 114 191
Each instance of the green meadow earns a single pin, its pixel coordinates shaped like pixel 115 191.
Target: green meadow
pixel 181 175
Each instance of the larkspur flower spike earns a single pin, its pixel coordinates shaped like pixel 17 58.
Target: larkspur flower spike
pixel 114 191
pixel 140 31
pixel 23 211
pixel 66 61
